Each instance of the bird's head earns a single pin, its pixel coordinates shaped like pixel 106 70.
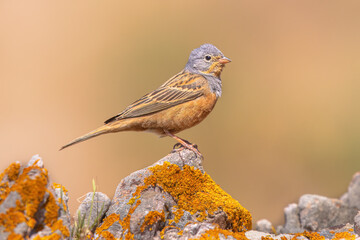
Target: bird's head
pixel 207 59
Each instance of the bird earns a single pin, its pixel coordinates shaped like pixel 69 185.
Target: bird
pixel 180 103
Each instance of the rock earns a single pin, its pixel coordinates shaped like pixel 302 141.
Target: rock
pixel 318 212
pixel 173 199
pixel 352 197
pixel 357 223
pixel 292 220
pixel 29 206
pixel 258 235
pixel 92 210
pixel 264 225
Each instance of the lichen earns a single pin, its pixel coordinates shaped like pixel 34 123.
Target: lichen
pixel 58 225
pixel 214 234
pixel 15 236
pixel 344 235
pixel 52 210
pixel 63 189
pixel 196 192
pixel 309 235
pixel 151 218
pixel 107 222
pixel 11 173
pixel 125 223
pixel 53 236
pixel 32 186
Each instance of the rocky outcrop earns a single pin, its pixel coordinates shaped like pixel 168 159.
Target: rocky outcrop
pixel 31 207
pixel 172 199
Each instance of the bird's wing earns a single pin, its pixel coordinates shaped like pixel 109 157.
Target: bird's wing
pixel 179 89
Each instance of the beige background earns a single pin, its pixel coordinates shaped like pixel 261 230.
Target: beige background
pixel 287 124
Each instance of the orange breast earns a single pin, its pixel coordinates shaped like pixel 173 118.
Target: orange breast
pixel 174 119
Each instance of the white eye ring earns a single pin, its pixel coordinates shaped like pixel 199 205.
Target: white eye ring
pixel 207 58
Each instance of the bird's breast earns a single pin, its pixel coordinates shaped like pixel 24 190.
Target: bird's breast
pixel 176 118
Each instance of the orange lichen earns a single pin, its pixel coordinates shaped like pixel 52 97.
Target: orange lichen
pixel 151 218
pixel 12 173
pixel 53 236
pixel 11 219
pixel 162 233
pixel 15 236
pixel 107 222
pixel 107 235
pixel 58 225
pixel 52 210
pixel 31 190
pixel 309 235
pixel 125 223
pixel 31 185
pixel 214 234
pixel 178 214
pixel 196 192
pixel 344 235
pixel 63 189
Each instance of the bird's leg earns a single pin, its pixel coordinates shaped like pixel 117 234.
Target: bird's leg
pixel 183 143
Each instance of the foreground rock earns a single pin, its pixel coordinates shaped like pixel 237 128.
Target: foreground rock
pixel 31 207
pixel 173 199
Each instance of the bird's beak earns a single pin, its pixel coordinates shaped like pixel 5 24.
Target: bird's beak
pixel 224 60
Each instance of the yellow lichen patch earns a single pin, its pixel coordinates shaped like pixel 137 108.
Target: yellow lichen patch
pixel 52 210
pixel 107 222
pixel 31 190
pixel 309 235
pixel 151 218
pixel 162 233
pixel 64 191
pixel 11 219
pixel 15 236
pixel 125 223
pixel 344 235
pixel 178 214
pixel 56 185
pixel 53 236
pixel 12 173
pixel 214 234
pixel 107 235
pixel 196 192
pixel 58 225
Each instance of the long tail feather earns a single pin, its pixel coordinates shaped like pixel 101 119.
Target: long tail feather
pixel 96 132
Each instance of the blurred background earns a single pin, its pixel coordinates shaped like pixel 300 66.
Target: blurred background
pixel 287 123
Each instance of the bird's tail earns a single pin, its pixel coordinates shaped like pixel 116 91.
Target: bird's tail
pixel 96 132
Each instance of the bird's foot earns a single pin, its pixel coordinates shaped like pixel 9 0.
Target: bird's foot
pixel 187 145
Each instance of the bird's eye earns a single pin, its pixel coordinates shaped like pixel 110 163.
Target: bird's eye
pixel 207 57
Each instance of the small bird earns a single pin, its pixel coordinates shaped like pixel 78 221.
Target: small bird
pixel 180 103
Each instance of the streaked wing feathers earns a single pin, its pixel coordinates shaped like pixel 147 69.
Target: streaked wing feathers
pixel 181 88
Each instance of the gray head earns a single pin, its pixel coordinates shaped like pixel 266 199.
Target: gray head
pixel 206 59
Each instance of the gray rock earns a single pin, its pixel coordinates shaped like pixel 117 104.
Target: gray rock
pixel 264 225
pixel 143 209
pixel 357 223
pixel 318 212
pixel 92 209
pixel 36 160
pixel 257 235
pixel 352 197
pixel 63 199
pixel 292 220
pixel 9 202
pixel 28 194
